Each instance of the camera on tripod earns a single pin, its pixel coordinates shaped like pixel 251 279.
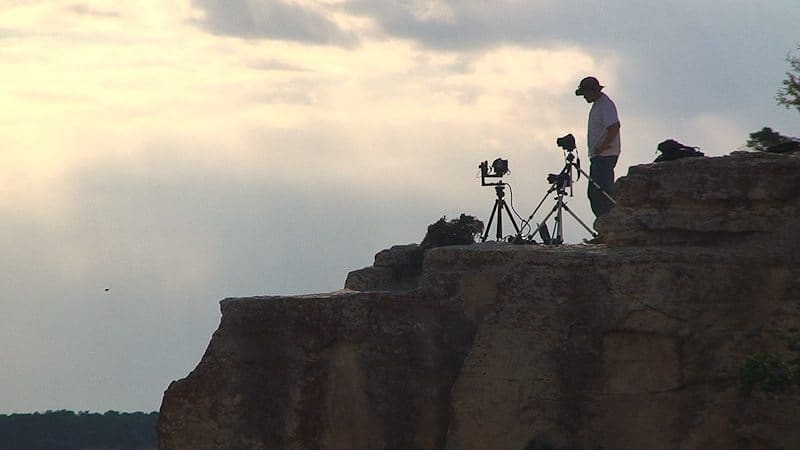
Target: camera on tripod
pixel 561 184
pixel 566 142
pixel 498 170
pixel 560 180
pixel 563 179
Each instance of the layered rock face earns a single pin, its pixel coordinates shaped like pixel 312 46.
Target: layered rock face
pixel 634 343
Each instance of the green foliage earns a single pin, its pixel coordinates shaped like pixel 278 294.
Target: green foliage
pixel 766 138
pixel 459 231
pixel 770 372
pixel 538 445
pixel 765 371
pixel 67 430
pixel 789 95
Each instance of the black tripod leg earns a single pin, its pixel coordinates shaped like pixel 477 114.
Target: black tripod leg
pixel 491 218
pixel 526 222
pixel 596 185
pixel 499 206
pixel 566 208
pixel 510 216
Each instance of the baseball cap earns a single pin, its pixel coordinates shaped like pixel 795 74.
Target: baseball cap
pixel 590 84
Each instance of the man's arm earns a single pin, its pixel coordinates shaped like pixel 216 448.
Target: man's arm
pixel 611 133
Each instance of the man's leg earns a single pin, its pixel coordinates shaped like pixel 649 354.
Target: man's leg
pixel 601 170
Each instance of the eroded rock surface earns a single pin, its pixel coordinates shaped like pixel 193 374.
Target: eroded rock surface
pixel 636 343
pixel 704 200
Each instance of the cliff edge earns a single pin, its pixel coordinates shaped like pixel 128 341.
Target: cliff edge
pixel 633 343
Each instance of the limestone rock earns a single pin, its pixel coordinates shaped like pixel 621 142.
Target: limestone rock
pixel 635 343
pixel 704 200
pixel 396 268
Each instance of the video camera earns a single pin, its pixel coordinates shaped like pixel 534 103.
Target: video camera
pixel 560 180
pixel 498 170
pixel 566 142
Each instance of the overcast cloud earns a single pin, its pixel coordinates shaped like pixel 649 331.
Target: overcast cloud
pixel 712 51
pixel 271 19
pixel 176 152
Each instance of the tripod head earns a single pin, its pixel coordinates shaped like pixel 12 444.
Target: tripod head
pixel 561 181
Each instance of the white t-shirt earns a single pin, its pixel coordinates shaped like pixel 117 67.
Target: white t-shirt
pixel 602 115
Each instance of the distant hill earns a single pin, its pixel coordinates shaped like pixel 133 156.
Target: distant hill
pixel 69 430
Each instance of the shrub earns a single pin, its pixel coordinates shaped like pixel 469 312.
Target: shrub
pixel 461 231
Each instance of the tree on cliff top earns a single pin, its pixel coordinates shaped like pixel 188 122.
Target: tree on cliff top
pixel 789 95
pixel 762 140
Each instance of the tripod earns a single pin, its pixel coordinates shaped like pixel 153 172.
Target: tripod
pixel 499 206
pixel 559 183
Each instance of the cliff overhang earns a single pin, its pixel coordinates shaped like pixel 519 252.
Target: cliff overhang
pixel 634 343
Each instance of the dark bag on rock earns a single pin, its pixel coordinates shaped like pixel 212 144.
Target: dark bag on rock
pixel 671 149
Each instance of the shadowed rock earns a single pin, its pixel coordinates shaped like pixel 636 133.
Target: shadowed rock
pixel 635 343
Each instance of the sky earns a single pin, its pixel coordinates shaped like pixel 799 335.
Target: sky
pixel 161 155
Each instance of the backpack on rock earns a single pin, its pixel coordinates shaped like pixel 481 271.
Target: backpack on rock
pixel 672 149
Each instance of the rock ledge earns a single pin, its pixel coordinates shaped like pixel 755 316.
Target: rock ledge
pixel 635 343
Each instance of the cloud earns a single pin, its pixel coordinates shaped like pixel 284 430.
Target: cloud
pixel 682 58
pixel 272 19
pixel 457 25
pixel 273 64
pixel 88 10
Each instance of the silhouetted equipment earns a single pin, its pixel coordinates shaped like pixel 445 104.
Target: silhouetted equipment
pixel 560 183
pixel 566 142
pixel 499 168
pixel 672 149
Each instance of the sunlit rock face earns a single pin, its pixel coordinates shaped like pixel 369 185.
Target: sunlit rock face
pixel 633 343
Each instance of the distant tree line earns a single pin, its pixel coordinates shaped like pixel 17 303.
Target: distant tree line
pixel 69 430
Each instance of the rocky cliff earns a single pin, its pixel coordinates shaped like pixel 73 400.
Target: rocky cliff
pixel 633 343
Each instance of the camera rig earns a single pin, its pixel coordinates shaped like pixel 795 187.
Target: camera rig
pixel 559 183
pixel 566 142
pixel 498 169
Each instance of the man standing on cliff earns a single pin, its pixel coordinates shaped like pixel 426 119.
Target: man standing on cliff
pixel 604 143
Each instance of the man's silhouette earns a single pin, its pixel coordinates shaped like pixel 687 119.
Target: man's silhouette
pixel 603 141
